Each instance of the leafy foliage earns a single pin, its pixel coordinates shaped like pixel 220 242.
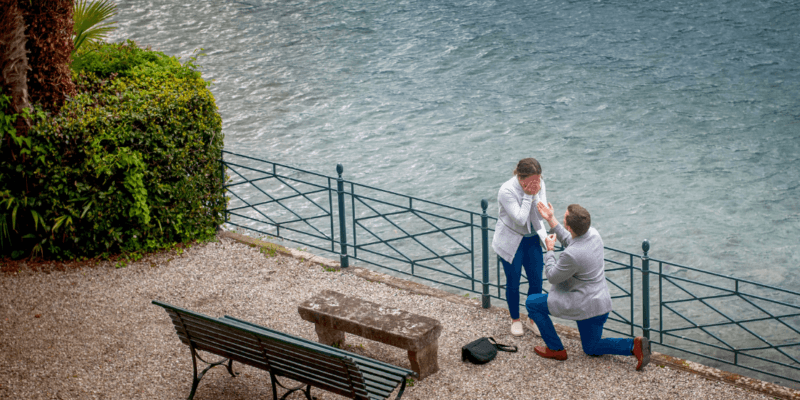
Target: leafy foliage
pixel 130 163
pixel 105 59
pixel 91 23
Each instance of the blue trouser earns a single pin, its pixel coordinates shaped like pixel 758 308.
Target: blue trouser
pixel 529 255
pixel 591 331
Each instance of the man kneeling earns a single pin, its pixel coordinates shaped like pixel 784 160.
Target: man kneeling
pixel 579 290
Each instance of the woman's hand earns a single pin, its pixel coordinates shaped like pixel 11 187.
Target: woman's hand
pixel 547 213
pixel 531 189
pixel 531 185
pixel 550 242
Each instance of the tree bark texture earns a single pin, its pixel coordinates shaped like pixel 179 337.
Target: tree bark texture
pixel 50 44
pixel 13 56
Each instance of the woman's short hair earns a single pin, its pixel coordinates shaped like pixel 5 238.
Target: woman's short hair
pixel 527 167
pixel 578 219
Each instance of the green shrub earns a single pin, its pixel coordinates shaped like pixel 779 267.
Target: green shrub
pixel 104 59
pixel 130 164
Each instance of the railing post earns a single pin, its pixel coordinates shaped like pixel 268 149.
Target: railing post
pixel 343 260
pixel 646 289
pixel 222 167
pixel 485 299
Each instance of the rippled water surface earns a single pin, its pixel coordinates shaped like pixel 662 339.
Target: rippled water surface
pixel 675 121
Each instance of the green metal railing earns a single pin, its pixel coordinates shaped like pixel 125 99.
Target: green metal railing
pixel 724 320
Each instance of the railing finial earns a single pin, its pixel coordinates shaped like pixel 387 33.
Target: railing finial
pixel 484 205
pixel 646 247
pixel 339 169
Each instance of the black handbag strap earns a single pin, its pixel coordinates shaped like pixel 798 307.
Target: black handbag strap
pixel 503 347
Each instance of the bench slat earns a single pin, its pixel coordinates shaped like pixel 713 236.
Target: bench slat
pixel 182 336
pixel 299 359
pixel 244 343
pixel 296 365
pixel 373 383
pixel 284 368
pixel 246 338
pixel 392 372
pixel 204 343
pixel 276 352
pixel 205 339
pixel 255 362
pixel 239 342
pixel 285 364
pixel 235 357
pixel 373 379
pixel 314 382
pixel 253 358
pixel 378 374
pixel 327 373
pixel 177 323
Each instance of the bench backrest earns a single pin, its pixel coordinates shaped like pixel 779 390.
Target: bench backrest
pixel 380 378
pixel 230 339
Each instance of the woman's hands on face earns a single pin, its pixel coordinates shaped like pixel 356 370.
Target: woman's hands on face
pixel 531 185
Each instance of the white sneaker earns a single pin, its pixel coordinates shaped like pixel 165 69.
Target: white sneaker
pixel 532 327
pixel 516 328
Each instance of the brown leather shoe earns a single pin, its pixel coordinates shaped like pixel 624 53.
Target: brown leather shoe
pixel 545 352
pixel 641 349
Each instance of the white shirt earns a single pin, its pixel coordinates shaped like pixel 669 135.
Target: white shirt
pixel 517 213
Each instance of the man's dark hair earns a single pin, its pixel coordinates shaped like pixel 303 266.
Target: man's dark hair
pixel 578 219
pixel 527 167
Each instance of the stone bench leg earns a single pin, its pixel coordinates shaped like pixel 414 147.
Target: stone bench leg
pixel 425 361
pixel 328 336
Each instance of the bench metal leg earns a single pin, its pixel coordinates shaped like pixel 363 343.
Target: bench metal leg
pixel 425 361
pixel 402 389
pixel 275 383
pixel 196 378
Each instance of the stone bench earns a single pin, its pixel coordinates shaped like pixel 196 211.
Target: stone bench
pixel 334 314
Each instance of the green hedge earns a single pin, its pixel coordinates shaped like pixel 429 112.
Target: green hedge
pixel 131 163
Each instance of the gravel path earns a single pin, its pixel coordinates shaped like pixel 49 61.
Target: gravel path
pixel 91 333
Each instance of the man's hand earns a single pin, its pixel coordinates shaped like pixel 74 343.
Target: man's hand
pixel 547 213
pixel 550 242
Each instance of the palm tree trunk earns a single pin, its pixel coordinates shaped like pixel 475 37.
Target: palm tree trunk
pixel 50 31
pixel 13 56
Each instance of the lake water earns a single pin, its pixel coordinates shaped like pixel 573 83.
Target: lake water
pixel 673 121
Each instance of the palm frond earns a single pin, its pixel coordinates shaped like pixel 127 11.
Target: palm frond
pixel 91 20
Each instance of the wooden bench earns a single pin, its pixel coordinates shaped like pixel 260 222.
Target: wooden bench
pixel 334 314
pixel 284 355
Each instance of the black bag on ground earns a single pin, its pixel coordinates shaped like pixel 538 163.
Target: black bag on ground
pixel 483 350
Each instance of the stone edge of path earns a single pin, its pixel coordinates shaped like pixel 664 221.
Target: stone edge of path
pixel 707 372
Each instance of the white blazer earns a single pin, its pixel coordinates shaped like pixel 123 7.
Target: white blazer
pixel 517 213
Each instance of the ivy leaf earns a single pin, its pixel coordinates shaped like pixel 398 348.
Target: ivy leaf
pixel 36 218
pixel 14 218
pixel 60 220
pixel 86 208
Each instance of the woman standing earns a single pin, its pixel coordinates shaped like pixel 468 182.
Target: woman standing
pixel 520 233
